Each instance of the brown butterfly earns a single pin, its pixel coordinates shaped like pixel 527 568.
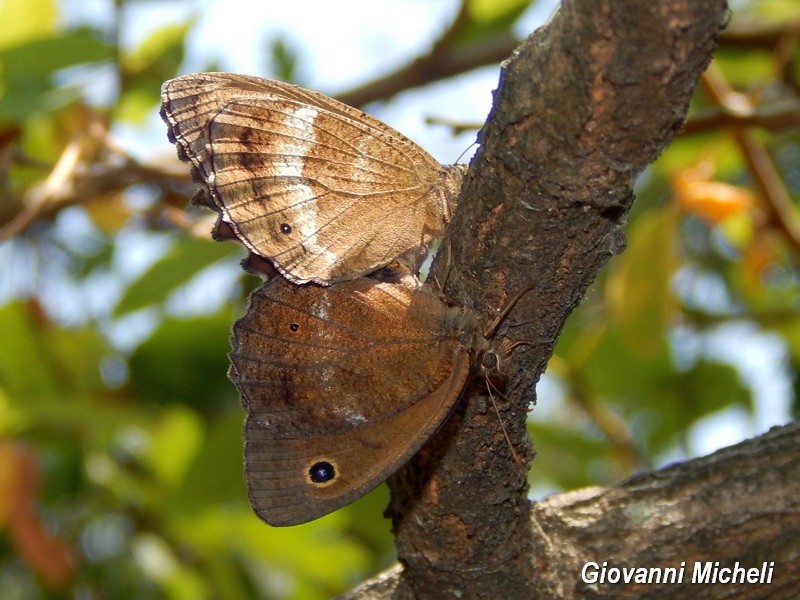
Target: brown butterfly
pixel 341 386
pixel 323 190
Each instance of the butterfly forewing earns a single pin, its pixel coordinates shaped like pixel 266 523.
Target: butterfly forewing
pixel 188 104
pixel 324 190
pixel 316 192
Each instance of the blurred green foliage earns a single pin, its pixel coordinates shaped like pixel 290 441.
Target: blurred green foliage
pixel 120 450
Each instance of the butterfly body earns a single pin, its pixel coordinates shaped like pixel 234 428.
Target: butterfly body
pixel 323 190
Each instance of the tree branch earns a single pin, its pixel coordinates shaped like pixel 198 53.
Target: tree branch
pixel 582 107
pixel 447 58
pixel 741 504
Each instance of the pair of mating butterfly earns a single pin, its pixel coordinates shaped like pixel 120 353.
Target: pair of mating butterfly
pixel 343 376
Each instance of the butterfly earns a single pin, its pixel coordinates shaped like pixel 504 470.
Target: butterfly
pixel 321 189
pixel 341 386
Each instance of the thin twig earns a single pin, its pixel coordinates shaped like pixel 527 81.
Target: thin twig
pixel 449 56
pixel 767 179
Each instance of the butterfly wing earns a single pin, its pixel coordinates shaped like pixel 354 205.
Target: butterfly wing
pixel 187 105
pixel 283 476
pixel 341 386
pixel 324 196
pixel 326 191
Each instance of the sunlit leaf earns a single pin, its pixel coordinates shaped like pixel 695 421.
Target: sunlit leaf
pixel 742 67
pixel 774 11
pixel 713 201
pixel 489 21
pixel 174 443
pixel 155 46
pixel 158 560
pixel 156 59
pixel 485 11
pixel 638 288
pixel 108 212
pixel 25 20
pixel 135 104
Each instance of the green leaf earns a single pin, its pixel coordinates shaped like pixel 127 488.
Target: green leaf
pixel 489 21
pixel 155 60
pixel 184 361
pixel 47 55
pixel 164 42
pixel 496 11
pixel 283 56
pixel 215 476
pixel 22 353
pixel 664 415
pixel 568 458
pixel 602 360
pixel 136 104
pixel 24 20
pixel 186 258
pixel 366 521
pixel 174 442
pixel 710 386
pixel 27 71
pixel 638 286
pixel 743 66
pixel 789 329
pixel 316 552
pixel 64 361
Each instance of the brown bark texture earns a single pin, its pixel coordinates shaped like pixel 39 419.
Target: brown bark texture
pixel 582 107
pixel 740 504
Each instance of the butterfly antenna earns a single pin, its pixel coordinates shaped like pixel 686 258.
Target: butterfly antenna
pixel 519 343
pixel 514 454
pixel 501 394
pixel 490 331
pixel 467 149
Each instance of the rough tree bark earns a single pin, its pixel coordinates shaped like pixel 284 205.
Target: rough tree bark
pixel 582 107
pixel 739 504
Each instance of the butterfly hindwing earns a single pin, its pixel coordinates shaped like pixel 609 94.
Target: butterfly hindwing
pixel 341 385
pixel 319 360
